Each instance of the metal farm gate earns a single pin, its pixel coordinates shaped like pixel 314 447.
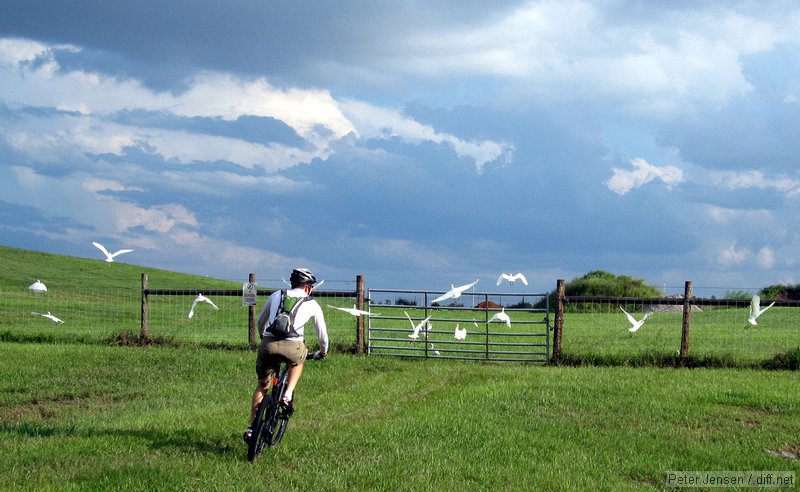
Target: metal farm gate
pixel 475 326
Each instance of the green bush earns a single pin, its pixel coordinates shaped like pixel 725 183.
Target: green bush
pixel 779 291
pixel 599 283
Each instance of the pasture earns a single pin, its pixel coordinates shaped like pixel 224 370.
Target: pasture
pixel 83 407
pixel 94 417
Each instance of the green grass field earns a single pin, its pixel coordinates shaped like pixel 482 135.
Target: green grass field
pixel 93 417
pixel 78 412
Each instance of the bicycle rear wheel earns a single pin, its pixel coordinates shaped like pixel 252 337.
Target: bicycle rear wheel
pixel 259 426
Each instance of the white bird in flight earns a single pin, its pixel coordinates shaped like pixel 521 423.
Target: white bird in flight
pixel 512 278
pixel 416 328
pixel 461 333
pixel 501 317
pixel 455 292
pixel 316 286
pixel 635 325
pixel 49 316
pixel 755 309
pixel 201 298
pixel 38 286
pixel 110 256
pixel 354 311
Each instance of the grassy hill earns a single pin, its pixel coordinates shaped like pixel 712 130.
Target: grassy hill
pixel 100 302
pixel 59 272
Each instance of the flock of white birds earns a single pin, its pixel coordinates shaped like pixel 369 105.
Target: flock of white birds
pixel 453 293
pixel 755 312
pixel 40 288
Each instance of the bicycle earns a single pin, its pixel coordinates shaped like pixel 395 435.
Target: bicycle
pixel 271 418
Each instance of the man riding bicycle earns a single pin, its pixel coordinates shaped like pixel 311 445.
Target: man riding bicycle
pixel 292 349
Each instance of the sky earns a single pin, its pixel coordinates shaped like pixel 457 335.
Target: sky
pixel 417 143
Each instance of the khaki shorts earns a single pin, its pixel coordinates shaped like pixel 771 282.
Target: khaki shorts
pixel 272 352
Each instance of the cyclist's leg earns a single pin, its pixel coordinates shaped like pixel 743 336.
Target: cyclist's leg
pixel 266 369
pixel 294 376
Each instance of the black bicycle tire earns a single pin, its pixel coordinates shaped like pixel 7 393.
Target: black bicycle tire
pixel 277 434
pixel 277 421
pixel 259 440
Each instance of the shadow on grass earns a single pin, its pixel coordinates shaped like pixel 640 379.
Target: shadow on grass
pixel 789 360
pixel 133 339
pixel 183 440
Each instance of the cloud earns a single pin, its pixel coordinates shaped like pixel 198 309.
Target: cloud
pixel 672 61
pixel 97 185
pixel 731 255
pixel 736 180
pixel 642 173
pixel 765 258
pixel 376 122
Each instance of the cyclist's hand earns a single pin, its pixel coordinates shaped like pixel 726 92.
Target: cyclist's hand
pixel 318 355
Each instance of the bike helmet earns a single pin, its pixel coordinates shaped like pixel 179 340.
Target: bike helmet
pixel 302 276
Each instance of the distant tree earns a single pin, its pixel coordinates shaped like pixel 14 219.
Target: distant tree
pixel 401 301
pixel 599 283
pixel 781 292
pixel 523 304
pixel 738 295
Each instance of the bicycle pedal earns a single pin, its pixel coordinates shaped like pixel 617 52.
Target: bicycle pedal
pixel 287 409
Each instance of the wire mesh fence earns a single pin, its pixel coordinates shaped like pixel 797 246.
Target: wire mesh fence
pixel 85 314
pixel 718 329
pixel 592 327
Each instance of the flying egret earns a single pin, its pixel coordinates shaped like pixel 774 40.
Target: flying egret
pixel 755 309
pixel 354 311
pixel 635 325
pixel 201 298
pixel 314 287
pixel 501 317
pixel 416 328
pixel 38 286
pixel 512 278
pixel 461 333
pixel 110 256
pixel 455 292
pixel 48 316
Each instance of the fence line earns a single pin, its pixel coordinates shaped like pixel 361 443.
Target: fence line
pixel 253 336
pixel 684 326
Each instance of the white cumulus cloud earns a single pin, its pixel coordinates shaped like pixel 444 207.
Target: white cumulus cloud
pixel 765 257
pixel 731 255
pixel 624 180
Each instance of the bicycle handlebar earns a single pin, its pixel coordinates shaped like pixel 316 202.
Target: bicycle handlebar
pixel 316 356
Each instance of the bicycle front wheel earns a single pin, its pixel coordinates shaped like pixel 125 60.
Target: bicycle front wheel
pixel 279 427
pixel 278 420
pixel 260 426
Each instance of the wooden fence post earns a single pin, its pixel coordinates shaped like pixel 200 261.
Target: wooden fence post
pixel 252 337
pixel 360 344
pixel 687 319
pixel 558 323
pixel 145 309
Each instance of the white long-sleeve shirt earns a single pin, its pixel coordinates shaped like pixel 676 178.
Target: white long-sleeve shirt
pixel 307 310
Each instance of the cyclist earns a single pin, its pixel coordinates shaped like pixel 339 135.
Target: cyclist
pixel 292 349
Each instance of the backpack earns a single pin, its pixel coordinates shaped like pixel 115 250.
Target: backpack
pixel 283 324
